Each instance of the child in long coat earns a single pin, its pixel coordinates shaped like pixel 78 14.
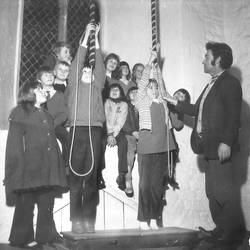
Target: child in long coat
pixel 34 167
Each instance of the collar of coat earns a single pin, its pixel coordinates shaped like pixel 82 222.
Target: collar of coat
pixel 33 108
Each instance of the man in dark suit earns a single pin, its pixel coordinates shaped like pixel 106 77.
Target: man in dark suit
pixel 215 134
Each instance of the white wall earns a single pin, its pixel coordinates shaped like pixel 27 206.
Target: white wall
pixel 185 26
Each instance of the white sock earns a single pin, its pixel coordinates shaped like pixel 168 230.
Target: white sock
pixel 153 225
pixel 144 225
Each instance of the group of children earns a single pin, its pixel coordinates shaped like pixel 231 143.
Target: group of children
pixel 86 108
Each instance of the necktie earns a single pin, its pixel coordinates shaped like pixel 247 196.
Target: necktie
pixel 213 79
pixel 136 112
pixel 48 95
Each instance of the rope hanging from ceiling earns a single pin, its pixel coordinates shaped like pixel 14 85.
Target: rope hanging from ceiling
pixel 154 44
pixel 153 24
pixel 92 36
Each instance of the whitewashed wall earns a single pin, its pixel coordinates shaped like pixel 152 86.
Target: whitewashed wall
pixel 185 26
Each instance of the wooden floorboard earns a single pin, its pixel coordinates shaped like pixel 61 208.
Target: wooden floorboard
pixel 133 239
pixel 129 232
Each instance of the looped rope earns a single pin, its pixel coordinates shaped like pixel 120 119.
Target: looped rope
pixel 74 126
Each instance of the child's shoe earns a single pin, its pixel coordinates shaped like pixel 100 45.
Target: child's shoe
pixel 120 180
pixel 101 183
pixel 172 182
pixel 129 191
pixel 77 227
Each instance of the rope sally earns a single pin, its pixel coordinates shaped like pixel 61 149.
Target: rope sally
pixel 92 36
pixel 153 24
pixel 92 63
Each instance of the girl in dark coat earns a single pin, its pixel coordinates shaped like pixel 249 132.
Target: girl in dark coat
pixel 33 169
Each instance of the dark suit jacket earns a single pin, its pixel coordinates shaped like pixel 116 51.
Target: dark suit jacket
pixel 220 116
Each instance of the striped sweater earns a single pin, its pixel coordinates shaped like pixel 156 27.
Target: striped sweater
pixel 143 102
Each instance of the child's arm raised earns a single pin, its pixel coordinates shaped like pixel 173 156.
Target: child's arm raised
pixel 97 29
pixel 158 75
pixel 78 62
pixel 142 85
pixel 89 28
pixel 153 55
pixel 99 71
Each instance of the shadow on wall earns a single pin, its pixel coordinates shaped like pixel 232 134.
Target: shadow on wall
pixel 240 162
pixel 235 72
